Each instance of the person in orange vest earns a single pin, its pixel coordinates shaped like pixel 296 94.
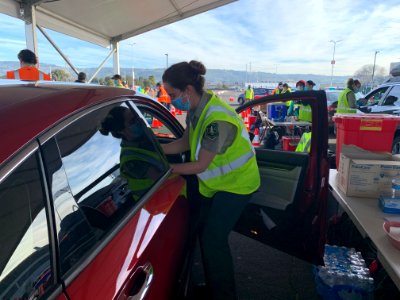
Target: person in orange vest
pixel 162 96
pixel 28 70
pixel 278 89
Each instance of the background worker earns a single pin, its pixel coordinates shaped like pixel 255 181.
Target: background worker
pixel 278 89
pixel 347 99
pixel 309 85
pixel 305 114
pixel 28 69
pixel 117 81
pixel 216 137
pixel 249 94
pixel 295 105
pixel 163 97
pixel 81 77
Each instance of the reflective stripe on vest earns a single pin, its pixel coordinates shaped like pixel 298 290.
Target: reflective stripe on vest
pixel 208 174
pixel 343 105
pixel 305 143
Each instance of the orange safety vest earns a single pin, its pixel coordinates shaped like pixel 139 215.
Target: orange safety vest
pixel 28 73
pixel 163 98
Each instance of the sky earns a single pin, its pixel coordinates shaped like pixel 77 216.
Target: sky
pixel 287 37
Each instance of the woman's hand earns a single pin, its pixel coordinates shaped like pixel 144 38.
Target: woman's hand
pixel 195 167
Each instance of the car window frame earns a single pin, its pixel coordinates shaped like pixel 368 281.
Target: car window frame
pixel 110 235
pixel 397 88
pixel 32 148
pixel 382 100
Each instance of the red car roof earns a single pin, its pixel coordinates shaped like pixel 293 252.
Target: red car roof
pixel 28 109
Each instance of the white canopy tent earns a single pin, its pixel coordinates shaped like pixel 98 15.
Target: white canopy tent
pixel 101 22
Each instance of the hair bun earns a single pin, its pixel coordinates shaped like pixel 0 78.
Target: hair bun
pixel 198 67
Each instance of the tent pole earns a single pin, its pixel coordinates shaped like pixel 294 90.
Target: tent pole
pixel 58 49
pixel 115 47
pixel 101 65
pixel 28 14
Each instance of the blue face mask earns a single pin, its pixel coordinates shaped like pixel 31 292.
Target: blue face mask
pixel 179 104
pixel 306 88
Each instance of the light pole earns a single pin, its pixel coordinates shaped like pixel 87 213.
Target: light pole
pixel 333 57
pixel 166 56
pixel 133 71
pixel 373 69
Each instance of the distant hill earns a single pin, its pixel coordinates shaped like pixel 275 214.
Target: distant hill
pixel 213 76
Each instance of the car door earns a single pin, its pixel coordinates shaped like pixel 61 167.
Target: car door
pixel 119 215
pixel 288 211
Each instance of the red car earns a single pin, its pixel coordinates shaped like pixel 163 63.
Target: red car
pixel 73 227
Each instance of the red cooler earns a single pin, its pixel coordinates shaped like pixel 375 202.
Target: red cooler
pixel 289 143
pixel 374 132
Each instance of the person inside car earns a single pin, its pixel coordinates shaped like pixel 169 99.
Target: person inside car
pixel 138 162
pixel 222 157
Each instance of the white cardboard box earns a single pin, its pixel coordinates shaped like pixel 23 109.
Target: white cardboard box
pixel 366 174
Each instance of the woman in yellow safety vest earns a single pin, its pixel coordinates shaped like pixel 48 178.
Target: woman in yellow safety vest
pixel 222 157
pixel 347 99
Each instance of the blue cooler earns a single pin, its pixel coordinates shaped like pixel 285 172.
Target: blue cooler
pixel 277 111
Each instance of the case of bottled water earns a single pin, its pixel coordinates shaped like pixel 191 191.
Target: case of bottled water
pixel 344 275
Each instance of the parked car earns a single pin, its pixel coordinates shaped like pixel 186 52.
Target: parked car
pixel 74 227
pixel 258 93
pixel 332 97
pixel 385 99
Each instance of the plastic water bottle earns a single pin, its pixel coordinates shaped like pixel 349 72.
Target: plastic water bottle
pixel 396 187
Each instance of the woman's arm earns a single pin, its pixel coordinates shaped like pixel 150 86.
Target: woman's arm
pixel 195 167
pixel 178 146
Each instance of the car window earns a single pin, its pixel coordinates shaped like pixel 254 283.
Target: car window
pixel 260 91
pixel 25 271
pixel 332 97
pixel 376 95
pixel 159 128
pixel 394 96
pixel 96 180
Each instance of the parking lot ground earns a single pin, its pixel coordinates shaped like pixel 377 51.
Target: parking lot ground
pixel 264 273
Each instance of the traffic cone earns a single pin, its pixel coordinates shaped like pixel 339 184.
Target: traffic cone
pixel 256 139
pixel 155 123
pixel 246 123
pixel 178 112
pixel 173 111
pixel 231 99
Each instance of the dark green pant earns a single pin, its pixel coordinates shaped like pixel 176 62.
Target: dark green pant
pixel 219 215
